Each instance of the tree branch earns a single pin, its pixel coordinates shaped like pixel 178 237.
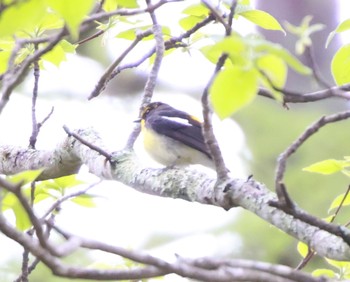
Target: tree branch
pixel 127 12
pixel 208 132
pixel 204 269
pixel 294 97
pixel 15 75
pixel 192 186
pixel 312 129
pixel 106 77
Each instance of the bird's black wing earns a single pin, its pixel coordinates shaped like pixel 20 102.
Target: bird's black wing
pixel 188 131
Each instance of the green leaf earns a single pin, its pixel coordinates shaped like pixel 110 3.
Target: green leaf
pixel 84 200
pixel 327 166
pixel 23 16
pixel 111 5
pixel 46 189
pixel 303 249
pixel 262 19
pixel 58 54
pixel 189 22
pixel 198 10
pixel 339 264
pixel 68 47
pixel 243 2
pixel 73 12
pixel 22 219
pixel 324 272
pixel 24 177
pixel 341 65
pixel 39 197
pixel 48 22
pixel 128 3
pixel 4 57
pixel 68 181
pixel 232 89
pixel 233 46
pixel 338 200
pixel 284 54
pixel 10 202
pixel 24 53
pixel 130 34
pixel 329 218
pixel 275 68
pixel 343 26
pixel 196 13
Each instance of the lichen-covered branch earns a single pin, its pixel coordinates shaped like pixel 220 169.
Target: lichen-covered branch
pixel 187 184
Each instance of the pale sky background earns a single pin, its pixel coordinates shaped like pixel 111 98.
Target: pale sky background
pixel 136 218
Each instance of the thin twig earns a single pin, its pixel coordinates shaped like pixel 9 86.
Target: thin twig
pixel 296 97
pixel 25 261
pixel 173 42
pixel 35 128
pixel 312 129
pixel 311 253
pixel 127 12
pixel 341 204
pixel 16 190
pixel 217 15
pixel 15 76
pixel 27 269
pixel 208 133
pixel 107 74
pixel 88 144
pixel 64 198
pixel 314 67
pixel 95 35
pixel 297 213
pixel 99 6
pixel 152 77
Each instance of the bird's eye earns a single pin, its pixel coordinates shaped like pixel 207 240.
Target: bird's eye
pixel 146 111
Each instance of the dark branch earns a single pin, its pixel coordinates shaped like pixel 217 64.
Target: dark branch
pixel 312 129
pixel 208 132
pixel 294 97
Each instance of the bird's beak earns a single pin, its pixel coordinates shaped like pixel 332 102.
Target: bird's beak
pixel 138 120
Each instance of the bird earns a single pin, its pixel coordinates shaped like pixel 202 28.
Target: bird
pixel 173 137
